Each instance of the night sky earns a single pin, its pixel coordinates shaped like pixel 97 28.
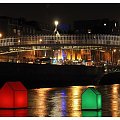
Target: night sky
pixel 65 13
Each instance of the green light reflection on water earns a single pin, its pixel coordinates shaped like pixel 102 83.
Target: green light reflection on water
pixel 92 113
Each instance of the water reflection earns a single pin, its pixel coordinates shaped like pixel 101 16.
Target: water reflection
pixel 74 101
pixel 61 102
pixel 56 105
pixel 115 100
pixel 64 103
pixel 92 113
pixel 38 102
pixel 14 113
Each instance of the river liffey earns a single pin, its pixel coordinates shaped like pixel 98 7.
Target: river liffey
pixel 61 102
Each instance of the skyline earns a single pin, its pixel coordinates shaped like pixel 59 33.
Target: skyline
pixel 64 13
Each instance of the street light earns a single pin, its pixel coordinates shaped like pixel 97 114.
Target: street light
pixel 56 34
pixel 56 31
pixel 18 41
pixel 56 24
pixel 40 40
pixel 0 35
pixel 114 50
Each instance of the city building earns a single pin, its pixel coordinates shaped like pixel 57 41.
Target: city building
pixel 99 26
pixel 15 27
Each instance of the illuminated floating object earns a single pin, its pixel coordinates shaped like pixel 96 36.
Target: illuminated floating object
pixel 92 113
pixel 91 99
pixel 13 95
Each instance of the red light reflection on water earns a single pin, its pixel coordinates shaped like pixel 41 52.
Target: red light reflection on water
pixel 14 113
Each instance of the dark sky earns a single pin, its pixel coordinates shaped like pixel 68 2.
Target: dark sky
pixel 47 13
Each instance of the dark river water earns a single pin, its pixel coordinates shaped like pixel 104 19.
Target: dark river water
pixel 61 102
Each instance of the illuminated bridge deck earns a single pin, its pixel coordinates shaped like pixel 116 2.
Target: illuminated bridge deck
pixel 48 42
pixel 78 40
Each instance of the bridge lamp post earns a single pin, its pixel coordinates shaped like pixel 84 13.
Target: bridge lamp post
pixel 56 24
pixel 113 51
pixel 56 33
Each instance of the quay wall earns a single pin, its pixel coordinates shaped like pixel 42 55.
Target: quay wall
pixel 36 75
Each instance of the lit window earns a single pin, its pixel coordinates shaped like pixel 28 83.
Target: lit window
pixel 14 30
pixel 115 24
pixel 105 24
pixel 94 37
pixel 18 31
pixel 89 31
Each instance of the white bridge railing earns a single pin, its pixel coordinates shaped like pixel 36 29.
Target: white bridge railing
pixel 87 39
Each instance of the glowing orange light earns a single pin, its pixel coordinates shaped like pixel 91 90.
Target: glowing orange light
pixel 0 35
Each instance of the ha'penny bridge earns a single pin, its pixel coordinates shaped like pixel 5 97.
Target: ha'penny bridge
pixel 90 47
pixel 49 41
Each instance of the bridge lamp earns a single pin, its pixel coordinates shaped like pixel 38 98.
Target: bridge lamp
pixel 18 41
pixel 105 24
pixel 40 40
pixel 56 23
pixel 1 35
pixel 114 50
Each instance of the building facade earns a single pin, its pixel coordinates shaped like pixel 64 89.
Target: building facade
pixel 100 26
pixel 15 27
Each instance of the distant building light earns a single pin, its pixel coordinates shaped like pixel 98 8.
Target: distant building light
pixel 14 30
pixel 0 35
pixel 18 31
pixel 105 24
pixel 115 24
pixel 114 50
pixel 19 41
pixel 40 40
pixel 89 31
pixel 94 37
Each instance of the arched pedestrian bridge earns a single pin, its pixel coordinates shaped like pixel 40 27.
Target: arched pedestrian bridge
pixel 63 41
pixel 89 47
